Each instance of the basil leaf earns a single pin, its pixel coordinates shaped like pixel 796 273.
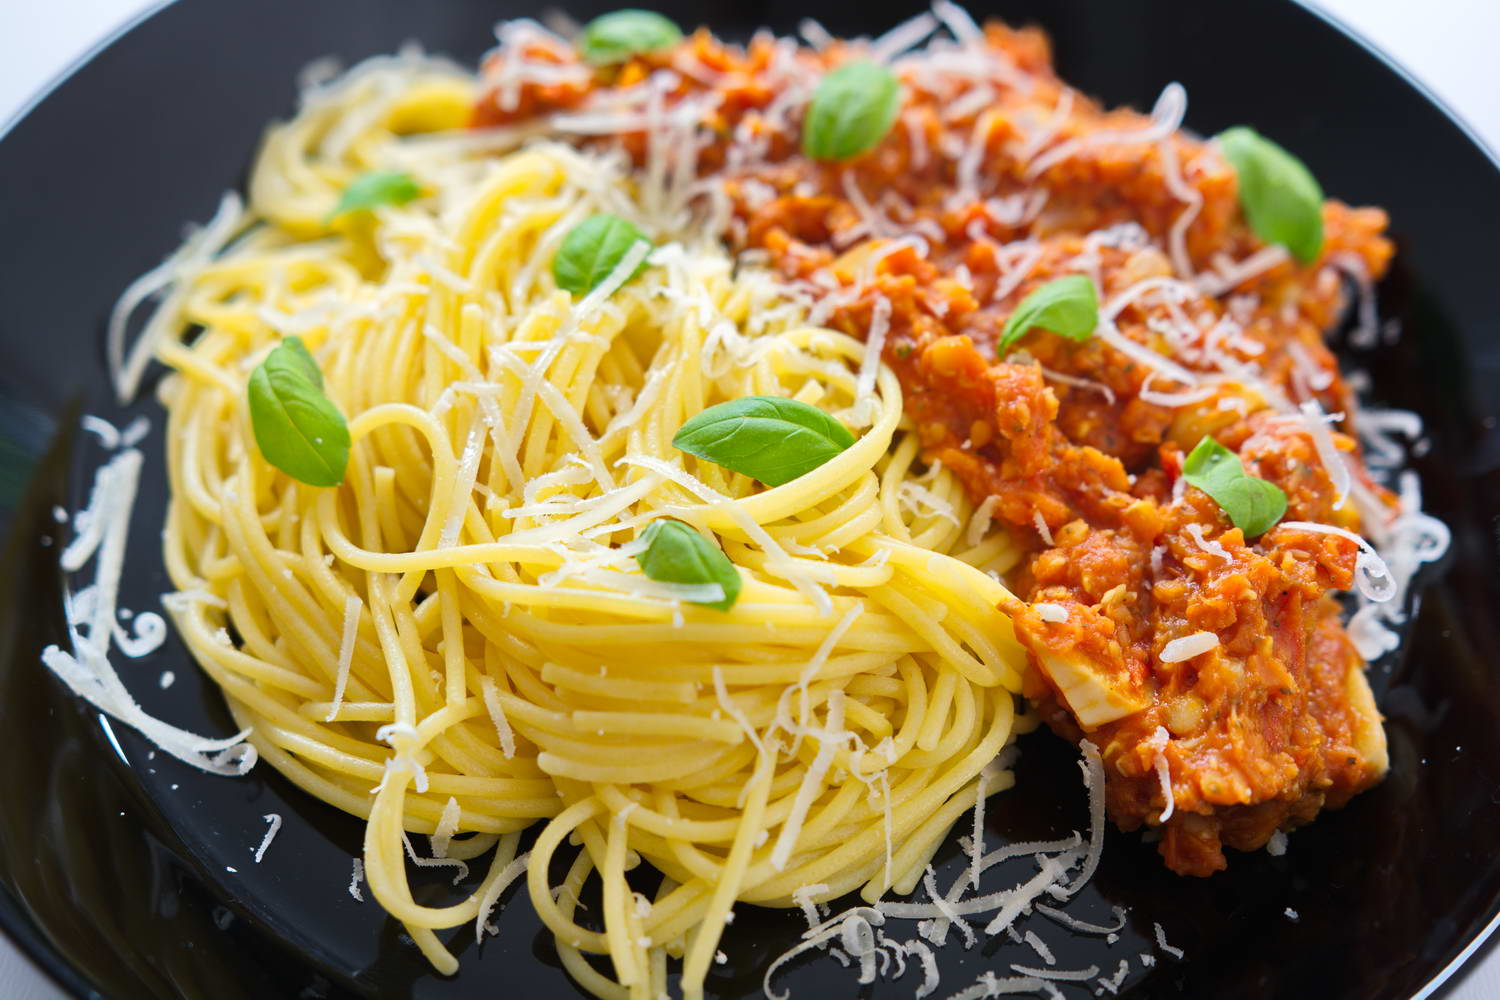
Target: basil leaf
pixel 297 428
pixel 675 553
pixel 295 354
pixel 1280 197
pixel 768 438
pixel 592 250
pixel 852 110
pixel 614 38
pixel 1068 307
pixel 377 187
pixel 1254 505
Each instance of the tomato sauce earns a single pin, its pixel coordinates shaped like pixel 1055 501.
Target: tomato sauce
pixel 1008 179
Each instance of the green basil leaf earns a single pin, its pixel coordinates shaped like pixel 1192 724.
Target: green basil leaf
pixel 294 354
pixel 675 553
pixel 1067 306
pixel 297 428
pixel 1280 197
pixel 852 110
pixel 768 438
pixel 1254 505
pixel 377 187
pixel 614 38
pixel 592 250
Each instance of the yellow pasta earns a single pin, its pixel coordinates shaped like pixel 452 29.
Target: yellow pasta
pixel 460 631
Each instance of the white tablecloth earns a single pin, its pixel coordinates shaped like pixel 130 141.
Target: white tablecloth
pixel 1447 44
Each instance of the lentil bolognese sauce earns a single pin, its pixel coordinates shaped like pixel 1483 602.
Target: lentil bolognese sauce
pixel 1205 655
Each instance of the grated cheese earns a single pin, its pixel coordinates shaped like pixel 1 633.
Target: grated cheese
pixel 1092 767
pixel 105 525
pixel 1040 947
pixel 1113 983
pixel 352 605
pixel 812 782
pixel 903 36
pixel 1188 646
pixel 1164 776
pixel 1041 527
pixel 496 889
pixel 1211 546
pixel 990 986
pixel 447 826
pixel 356 879
pixel 1316 422
pixel 1161 942
pixel 1051 871
pixel 496 711
pixel 803 897
pixel 980 521
pixel 1062 975
pixel 461 869
pixel 930 977
pixel 275 820
pixel 864 382
pixel 947 914
pixel 1371 575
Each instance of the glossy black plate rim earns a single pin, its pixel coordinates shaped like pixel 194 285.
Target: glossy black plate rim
pixel 1461 966
pixel 20 929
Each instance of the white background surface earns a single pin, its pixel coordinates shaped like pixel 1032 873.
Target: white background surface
pixel 1449 45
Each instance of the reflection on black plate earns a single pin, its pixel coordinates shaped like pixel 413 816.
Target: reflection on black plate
pixel 132 875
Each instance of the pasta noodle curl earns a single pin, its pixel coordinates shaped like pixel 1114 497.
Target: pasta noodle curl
pixel 458 639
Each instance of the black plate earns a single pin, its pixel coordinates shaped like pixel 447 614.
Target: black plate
pixel 132 876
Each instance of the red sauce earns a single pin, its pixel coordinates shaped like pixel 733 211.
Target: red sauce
pixel 1273 724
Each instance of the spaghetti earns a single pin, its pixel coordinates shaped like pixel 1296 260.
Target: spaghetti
pixel 458 640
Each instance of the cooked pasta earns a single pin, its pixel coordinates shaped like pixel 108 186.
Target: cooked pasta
pixel 459 638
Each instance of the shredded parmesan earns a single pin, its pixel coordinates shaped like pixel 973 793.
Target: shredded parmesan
pixel 976 845
pixel 1113 983
pixel 1211 546
pixel 275 820
pixel 1062 975
pixel 495 890
pixel 803 897
pixel 948 913
pixel 1041 527
pixel 1164 776
pixel 930 976
pixel 982 518
pixel 87 671
pixel 1092 767
pixel 461 869
pixel 812 782
pixel 1188 646
pixel 496 711
pixel 356 879
pixel 1371 575
pixel 1083 926
pixel 1333 463
pixel 352 605
pixel 1161 942
pixel 1040 947
pixel 447 826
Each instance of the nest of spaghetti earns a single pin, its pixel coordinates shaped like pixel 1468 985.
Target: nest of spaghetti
pixel 458 640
